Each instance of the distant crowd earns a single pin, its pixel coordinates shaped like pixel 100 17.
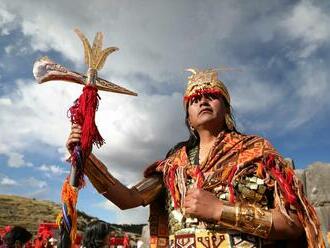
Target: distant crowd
pixel 97 234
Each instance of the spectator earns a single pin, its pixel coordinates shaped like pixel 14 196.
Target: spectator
pixel 97 235
pixel 52 242
pixel 112 239
pixel 16 237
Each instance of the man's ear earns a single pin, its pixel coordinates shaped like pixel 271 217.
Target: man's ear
pixel 189 123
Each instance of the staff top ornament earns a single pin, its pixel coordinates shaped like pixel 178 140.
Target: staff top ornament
pixel 45 69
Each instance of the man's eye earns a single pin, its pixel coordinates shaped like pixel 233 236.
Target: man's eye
pixel 195 99
pixel 212 96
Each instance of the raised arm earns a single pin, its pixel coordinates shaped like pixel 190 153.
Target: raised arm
pixel 140 194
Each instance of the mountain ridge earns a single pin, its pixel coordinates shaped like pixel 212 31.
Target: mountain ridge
pixel 30 212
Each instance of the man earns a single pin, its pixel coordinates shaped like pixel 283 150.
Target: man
pixel 220 188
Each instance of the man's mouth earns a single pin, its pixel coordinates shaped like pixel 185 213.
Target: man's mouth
pixel 206 110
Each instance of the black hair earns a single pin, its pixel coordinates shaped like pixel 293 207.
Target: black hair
pixel 95 233
pixel 16 235
pixel 193 139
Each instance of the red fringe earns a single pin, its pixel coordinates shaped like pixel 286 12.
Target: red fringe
pixel 285 180
pixel 230 183
pixel 172 186
pixel 199 177
pixel 202 92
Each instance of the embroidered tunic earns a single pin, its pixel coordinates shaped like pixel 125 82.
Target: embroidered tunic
pixel 239 168
pixel 191 232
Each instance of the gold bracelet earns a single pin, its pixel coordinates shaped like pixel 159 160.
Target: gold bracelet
pixel 246 218
pixel 229 215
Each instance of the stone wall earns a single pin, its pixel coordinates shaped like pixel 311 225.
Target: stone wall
pixel 316 180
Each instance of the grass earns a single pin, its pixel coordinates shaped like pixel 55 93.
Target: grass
pixel 29 213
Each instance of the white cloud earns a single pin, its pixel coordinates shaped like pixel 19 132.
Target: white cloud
pixel 135 29
pixel 256 97
pixel 15 160
pixel 309 23
pixel 35 116
pixel 6 181
pixel 34 183
pixel 29 187
pixel 9 49
pixel 29 164
pixel 311 94
pixel 40 193
pixel 6 21
pixel 52 170
pixel 5 101
pixel 138 215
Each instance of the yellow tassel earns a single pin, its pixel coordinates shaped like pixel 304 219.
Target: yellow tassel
pixel 69 198
pixel 59 218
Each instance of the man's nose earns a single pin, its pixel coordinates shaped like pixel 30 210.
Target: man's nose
pixel 204 101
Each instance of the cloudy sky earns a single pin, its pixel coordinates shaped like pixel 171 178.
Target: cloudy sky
pixel 281 47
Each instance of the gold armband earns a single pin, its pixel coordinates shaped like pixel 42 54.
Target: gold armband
pixel 149 188
pixel 246 218
pixel 98 174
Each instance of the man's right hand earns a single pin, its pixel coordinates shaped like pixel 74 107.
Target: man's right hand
pixel 74 137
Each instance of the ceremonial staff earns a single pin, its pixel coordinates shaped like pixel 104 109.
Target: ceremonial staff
pixel 82 113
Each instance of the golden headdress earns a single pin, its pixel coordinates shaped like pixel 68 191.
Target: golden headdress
pixel 205 82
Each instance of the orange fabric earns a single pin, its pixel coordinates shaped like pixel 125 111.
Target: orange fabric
pixel 69 197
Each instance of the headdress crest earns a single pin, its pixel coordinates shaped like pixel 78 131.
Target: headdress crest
pixel 204 82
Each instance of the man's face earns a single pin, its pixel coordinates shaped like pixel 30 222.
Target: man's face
pixel 206 112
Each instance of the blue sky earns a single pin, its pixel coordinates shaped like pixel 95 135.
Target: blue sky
pixel 281 47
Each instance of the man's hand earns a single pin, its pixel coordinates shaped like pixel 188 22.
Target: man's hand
pixel 203 205
pixel 74 137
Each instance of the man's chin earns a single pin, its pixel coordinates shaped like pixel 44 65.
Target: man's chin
pixel 208 121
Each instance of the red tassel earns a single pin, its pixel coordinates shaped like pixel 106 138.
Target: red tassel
pixel 83 113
